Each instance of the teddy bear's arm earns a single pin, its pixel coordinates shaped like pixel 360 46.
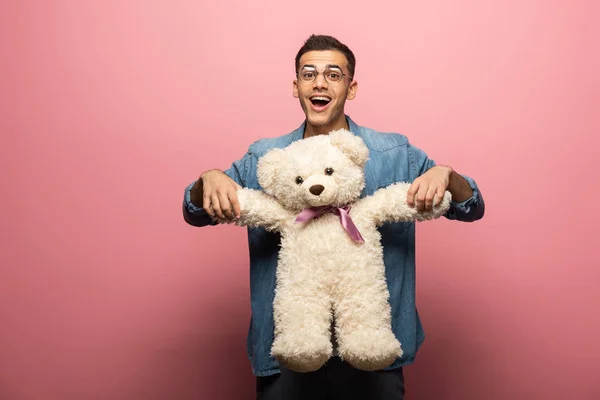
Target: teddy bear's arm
pixel 389 205
pixel 261 210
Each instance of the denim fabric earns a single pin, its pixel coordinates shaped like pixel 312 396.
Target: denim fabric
pixel 391 159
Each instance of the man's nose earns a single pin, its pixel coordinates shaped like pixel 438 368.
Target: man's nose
pixel 320 82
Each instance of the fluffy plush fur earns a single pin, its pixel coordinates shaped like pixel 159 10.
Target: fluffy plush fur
pixel 322 274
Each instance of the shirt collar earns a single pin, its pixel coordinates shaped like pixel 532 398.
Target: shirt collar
pixel 299 133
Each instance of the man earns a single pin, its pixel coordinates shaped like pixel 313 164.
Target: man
pixel 324 81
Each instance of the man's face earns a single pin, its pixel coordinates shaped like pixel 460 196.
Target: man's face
pixel 323 101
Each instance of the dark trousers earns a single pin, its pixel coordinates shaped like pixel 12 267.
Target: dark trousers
pixel 336 380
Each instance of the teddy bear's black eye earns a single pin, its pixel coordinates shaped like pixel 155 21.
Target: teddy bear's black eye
pixel 329 171
pixel 299 180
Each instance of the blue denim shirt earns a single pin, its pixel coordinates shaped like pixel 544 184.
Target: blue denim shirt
pixel 391 159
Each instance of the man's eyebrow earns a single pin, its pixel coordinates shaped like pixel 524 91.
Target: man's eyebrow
pixel 330 66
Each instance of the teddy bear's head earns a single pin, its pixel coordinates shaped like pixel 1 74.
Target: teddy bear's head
pixel 317 171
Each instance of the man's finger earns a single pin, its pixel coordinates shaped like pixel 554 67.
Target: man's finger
pixel 429 197
pixel 439 196
pixel 410 195
pixel 206 205
pixel 235 203
pixel 216 206
pixel 421 197
pixel 225 206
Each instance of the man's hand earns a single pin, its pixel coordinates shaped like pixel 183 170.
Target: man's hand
pixel 429 187
pixel 217 193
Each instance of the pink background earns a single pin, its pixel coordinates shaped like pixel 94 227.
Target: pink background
pixel 110 108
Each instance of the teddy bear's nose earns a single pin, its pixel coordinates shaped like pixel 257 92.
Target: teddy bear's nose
pixel 316 189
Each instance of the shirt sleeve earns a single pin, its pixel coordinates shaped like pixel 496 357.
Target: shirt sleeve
pixel 469 210
pixel 197 216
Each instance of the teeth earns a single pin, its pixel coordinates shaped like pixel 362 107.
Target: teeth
pixel 320 98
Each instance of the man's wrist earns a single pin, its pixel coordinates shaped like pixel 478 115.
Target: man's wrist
pixel 452 175
pixel 196 193
pixel 459 187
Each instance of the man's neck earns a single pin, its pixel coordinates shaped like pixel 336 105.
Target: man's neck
pixel 312 130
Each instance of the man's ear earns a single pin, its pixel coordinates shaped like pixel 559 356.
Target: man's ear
pixel 351 145
pixel 266 170
pixel 295 90
pixel 352 90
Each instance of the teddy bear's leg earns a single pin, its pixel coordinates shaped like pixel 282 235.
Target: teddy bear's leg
pixel 363 319
pixel 303 315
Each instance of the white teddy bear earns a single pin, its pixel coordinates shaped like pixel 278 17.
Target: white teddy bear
pixel 330 265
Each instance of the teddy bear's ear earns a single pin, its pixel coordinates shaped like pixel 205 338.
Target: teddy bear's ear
pixel 266 169
pixel 351 145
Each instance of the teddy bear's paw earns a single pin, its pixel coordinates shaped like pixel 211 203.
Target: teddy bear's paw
pixel 302 357
pixel 303 363
pixel 370 351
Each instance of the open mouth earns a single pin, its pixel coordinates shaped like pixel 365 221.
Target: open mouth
pixel 320 102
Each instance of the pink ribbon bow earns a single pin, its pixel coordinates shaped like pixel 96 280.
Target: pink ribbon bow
pixel 345 220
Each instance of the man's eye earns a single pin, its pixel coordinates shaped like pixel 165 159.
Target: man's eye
pixel 307 75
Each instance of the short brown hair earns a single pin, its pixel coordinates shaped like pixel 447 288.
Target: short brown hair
pixel 322 43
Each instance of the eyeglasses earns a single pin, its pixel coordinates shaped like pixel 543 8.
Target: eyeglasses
pixel 309 74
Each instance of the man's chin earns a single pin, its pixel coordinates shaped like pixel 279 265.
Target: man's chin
pixel 319 120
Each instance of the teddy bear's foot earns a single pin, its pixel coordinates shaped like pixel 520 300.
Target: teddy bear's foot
pixel 368 349
pixel 303 363
pixel 300 354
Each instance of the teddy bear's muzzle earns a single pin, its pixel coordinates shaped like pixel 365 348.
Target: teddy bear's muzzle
pixel 319 190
